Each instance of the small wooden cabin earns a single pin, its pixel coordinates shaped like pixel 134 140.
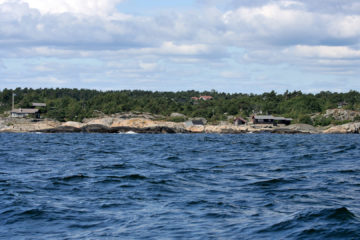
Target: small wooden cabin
pixel 239 121
pixel 25 112
pixel 196 121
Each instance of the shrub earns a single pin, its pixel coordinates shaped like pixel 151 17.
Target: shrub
pixel 306 120
pixel 323 121
pixel 177 119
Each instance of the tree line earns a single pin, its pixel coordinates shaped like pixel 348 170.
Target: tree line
pixel 66 104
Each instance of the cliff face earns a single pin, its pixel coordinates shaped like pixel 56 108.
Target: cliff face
pixel 26 125
pixel 345 128
pixel 342 114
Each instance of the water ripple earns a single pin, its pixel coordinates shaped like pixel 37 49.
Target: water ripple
pixel 118 186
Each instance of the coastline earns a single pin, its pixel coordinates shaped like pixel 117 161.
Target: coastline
pixel 145 125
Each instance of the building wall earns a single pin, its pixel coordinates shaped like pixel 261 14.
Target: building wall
pixel 19 115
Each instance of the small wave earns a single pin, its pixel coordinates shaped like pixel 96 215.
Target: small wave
pixel 349 171
pixel 217 215
pixel 315 221
pixel 121 165
pixel 341 214
pixel 343 149
pixel 134 177
pixel 160 182
pixel 272 182
pixel 34 212
pixel 170 158
pixel 111 205
pixel 112 166
pixel 127 186
pixel 197 202
pixel 110 179
pixel 188 170
pixel 14 216
pixel 57 180
pixel 131 132
pixel 84 225
pixel 74 177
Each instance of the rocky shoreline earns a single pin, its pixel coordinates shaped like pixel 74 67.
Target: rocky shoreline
pixel 146 125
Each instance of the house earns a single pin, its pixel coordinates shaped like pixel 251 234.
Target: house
pixel 195 121
pixel 269 119
pixel 239 121
pixel 205 98
pixel 342 104
pixel 25 112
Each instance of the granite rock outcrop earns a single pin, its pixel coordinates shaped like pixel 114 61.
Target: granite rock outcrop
pixel 148 125
pixel 345 128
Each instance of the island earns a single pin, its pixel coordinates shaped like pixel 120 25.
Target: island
pixel 136 111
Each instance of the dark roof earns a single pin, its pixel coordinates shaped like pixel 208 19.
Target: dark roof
pixel 263 117
pixel 240 118
pixel 271 117
pixel 24 110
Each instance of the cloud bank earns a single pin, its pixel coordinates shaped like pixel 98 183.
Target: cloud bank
pixel 245 46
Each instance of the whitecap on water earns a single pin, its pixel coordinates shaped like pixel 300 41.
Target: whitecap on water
pixel 128 132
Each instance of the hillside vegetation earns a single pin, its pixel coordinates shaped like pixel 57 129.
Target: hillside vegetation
pixel 76 104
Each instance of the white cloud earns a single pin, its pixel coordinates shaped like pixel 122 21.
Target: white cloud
pixel 184 49
pixel 82 7
pixel 264 32
pixel 148 66
pixel 332 52
pixel 345 26
pixel 43 68
pixel 232 75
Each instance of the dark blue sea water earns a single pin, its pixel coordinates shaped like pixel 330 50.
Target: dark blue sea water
pixel 118 186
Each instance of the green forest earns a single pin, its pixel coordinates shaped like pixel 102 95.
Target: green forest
pixel 76 104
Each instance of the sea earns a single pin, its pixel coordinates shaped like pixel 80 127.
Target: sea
pixel 179 186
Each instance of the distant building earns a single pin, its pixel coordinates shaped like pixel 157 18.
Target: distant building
pixel 239 121
pixel 342 104
pixel 205 98
pixel 39 104
pixel 269 119
pixel 196 121
pixel 25 112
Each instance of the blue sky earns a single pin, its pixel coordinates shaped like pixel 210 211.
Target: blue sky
pixel 151 7
pixel 248 46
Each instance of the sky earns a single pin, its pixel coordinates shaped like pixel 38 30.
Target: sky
pixel 247 46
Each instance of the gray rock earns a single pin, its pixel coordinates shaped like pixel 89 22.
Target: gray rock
pixel 177 115
pixel 61 129
pixel 342 114
pixel 97 128
pixel 304 128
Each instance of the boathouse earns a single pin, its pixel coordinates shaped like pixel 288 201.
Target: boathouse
pixel 195 121
pixel 25 112
pixel 239 121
